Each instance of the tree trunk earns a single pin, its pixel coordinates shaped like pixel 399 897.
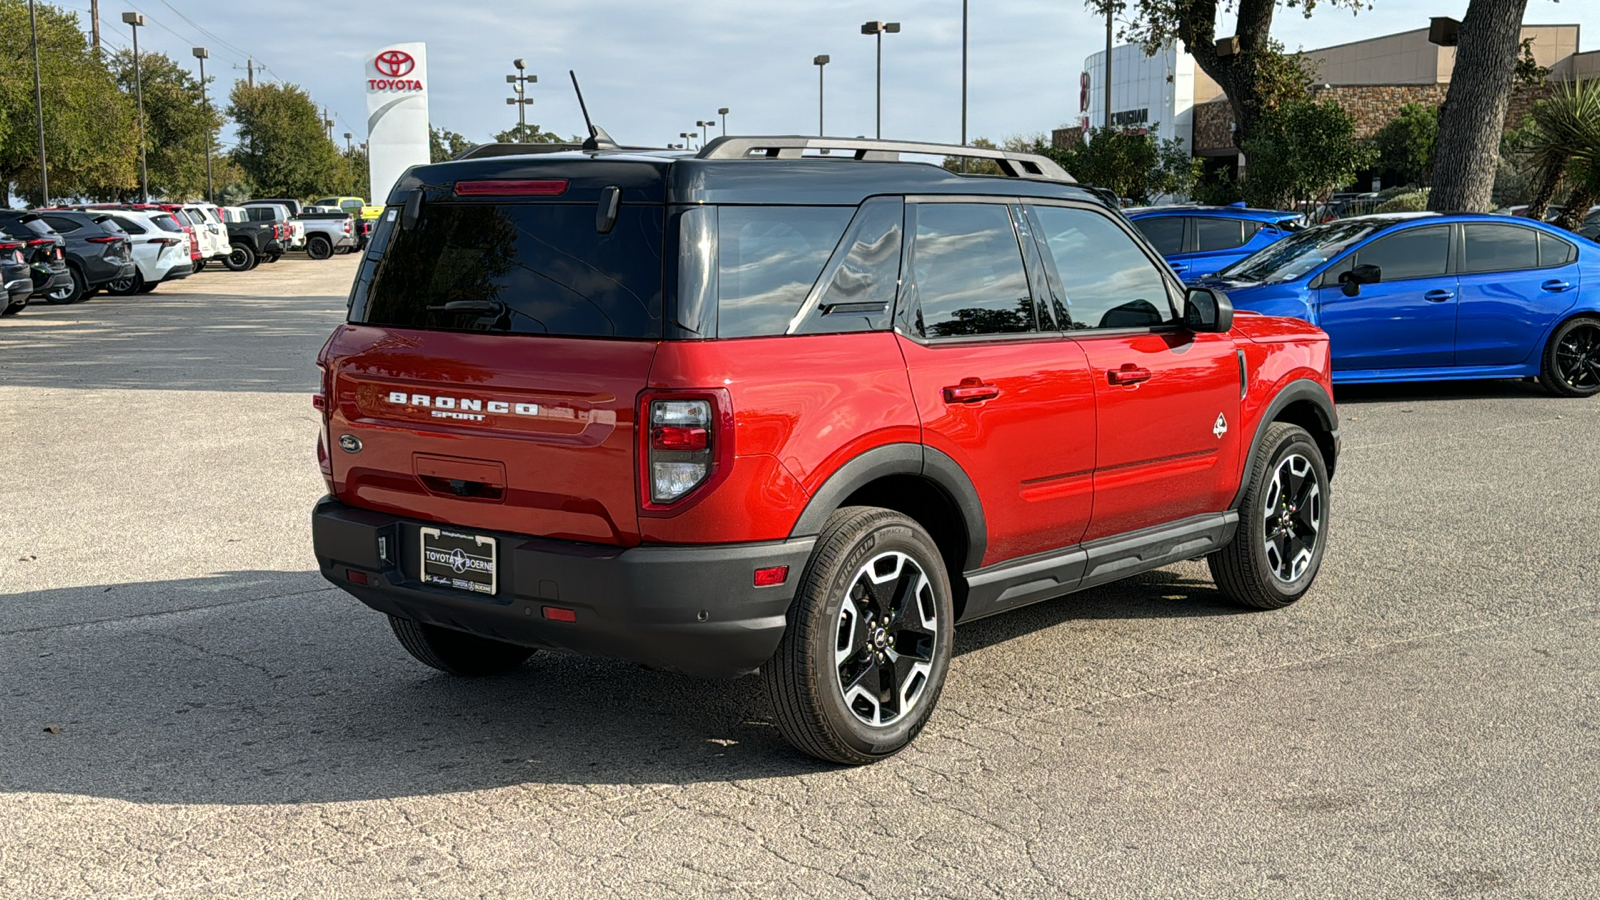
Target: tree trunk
pixel 1236 73
pixel 1577 209
pixel 1544 189
pixel 1474 112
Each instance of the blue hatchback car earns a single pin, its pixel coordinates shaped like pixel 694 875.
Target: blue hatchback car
pixel 1424 296
pixel 1201 240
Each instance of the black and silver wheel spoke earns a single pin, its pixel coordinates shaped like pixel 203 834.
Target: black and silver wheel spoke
pixel 1292 518
pixel 885 640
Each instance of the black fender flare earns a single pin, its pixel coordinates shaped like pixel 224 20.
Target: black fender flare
pixel 1293 392
pixel 900 459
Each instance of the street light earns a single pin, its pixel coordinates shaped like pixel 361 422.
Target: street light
pixel 880 29
pixel 38 109
pixel 347 149
pixel 203 54
pixel 521 101
pixel 819 62
pixel 963 81
pixel 134 20
pixel 723 112
pixel 687 137
pixel 703 125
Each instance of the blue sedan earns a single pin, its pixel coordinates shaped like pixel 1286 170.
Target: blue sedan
pixel 1200 240
pixel 1423 297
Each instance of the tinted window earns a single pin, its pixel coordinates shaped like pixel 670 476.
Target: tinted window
pixel 1217 234
pixel 1553 251
pixel 167 223
pixel 857 292
pixel 62 223
pixel 129 225
pixel 522 268
pixel 1413 253
pixel 768 257
pixel 968 272
pixel 1496 248
pixel 1101 275
pixel 1165 233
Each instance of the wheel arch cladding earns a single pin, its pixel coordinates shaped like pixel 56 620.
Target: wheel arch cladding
pixel 1304 403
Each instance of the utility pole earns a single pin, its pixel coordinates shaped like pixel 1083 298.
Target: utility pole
pixel 38 109
pixel 94 25
pixel 250 70
pixel 134 20
pixel 203 54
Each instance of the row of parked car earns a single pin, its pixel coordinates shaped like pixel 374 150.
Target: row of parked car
pixel 64 254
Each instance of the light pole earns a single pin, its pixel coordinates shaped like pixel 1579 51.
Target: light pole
pixel 723 112
pixel 820 61
pixel 38 109
pixel 1108 66
pixel 134 20
pixel 963 80
pixel 688 139
pixel 347 149
pixel 519 83
pixel 703 126
pixel 880 29
pixel 203 54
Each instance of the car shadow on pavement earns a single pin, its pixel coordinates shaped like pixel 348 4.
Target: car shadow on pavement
pixel 1438 390
pixel 290 691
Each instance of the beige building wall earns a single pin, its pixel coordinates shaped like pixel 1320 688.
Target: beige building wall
pixel 1408 57
pixel 1577 67
pixel 1205 90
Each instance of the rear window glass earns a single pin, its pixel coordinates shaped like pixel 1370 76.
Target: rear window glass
pixel 167 223
pixel 63 224
pixel 520 268
pixel 1164 232
pixel 1498 248
pixel 1217 234
pixel 768 257
pixel 1553 251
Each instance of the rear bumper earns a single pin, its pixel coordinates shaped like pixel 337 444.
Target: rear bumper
pixel 48 280
pixel 691 609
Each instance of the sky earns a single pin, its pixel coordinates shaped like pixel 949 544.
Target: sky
pixel 651 70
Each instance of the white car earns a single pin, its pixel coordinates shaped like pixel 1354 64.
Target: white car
pixel 213 233
pixel 160 250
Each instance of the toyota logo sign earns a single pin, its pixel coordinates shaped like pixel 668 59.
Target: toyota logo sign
pixel 394 63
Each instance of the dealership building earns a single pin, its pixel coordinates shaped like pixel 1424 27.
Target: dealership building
pixel 1167 93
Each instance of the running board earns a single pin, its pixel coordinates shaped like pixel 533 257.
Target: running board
pixel 1043 576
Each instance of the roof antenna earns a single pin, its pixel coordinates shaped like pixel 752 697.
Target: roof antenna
pixel 598 139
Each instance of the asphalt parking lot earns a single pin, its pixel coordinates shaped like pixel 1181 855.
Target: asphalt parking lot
pixel 223 723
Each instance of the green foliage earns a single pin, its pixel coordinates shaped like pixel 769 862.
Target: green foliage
pixel 530 134
pixel 1219 192
pixel 1138 167
pixel 1410 201
pixel 1528 71
pixel 1280 77
pixel 176 125
pixel 1406 143
pixel 1302 152
pixel 1560 143
pixel 360 174
pixel 444 144
pixel 87 120
pixel 283 148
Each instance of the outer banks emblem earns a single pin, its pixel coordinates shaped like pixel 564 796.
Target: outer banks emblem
pixel 1221 428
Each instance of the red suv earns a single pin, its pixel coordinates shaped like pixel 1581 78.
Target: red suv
pixel 761 408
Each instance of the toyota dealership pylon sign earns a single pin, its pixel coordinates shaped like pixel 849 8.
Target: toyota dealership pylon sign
pixel 397 114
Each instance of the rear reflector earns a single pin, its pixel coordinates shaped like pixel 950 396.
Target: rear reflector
pixel 558 614
pixel 318 401
pixel 773 576
pixel 675 437
pixel 355 577
pixel 511 188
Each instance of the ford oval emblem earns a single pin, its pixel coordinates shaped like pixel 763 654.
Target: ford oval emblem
pixel 349 443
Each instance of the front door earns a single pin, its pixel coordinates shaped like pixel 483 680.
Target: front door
pixel 999 391
pixel 1167 399
pixel 1405 321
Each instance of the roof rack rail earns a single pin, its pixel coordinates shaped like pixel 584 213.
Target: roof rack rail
pixel 1015 165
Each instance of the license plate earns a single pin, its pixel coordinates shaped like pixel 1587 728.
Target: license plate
pixel 452 559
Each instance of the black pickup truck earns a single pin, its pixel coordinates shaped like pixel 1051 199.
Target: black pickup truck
pixel 251 239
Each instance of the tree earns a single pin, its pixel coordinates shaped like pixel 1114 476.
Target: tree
pixel 444 144
pixel 1406 144
pixel 1248 67
pixel 360 174
pixel 283 148
pixel 1302 152
pixel 1133 165
pixel 1474 110
pixel 87 120
pixel 1562 145
pixel 530 134
pixel 177 125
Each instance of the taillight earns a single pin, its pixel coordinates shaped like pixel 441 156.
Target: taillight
pixel 687 438
pixel 39 242
pixel 105 239
pixel 511 188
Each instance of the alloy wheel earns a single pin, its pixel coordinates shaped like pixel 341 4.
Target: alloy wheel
pixel 1577 361
pixel 885 639
pixel 64 292
pixel 1292 520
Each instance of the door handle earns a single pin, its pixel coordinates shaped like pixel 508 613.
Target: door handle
pixel 1556 285
pixel 1179 267
pixel 970 390
pixel 1128 374
pixel 1439 296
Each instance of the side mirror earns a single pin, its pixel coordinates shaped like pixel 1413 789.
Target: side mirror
pixel 412 213
pixel 1208 310
pixel 1352 280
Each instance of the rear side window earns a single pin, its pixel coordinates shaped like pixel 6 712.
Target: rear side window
pixel 1553 251
pixel 768 257
pixel 1165 233
pixel 1098 272
pixel 520 268
pixel 129 225
pixel 1497 248
pixel 1217 234
pixel 167 223
pixel 63 224
pixel 966 266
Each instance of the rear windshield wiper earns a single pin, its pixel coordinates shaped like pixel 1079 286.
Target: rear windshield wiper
pixel 470 306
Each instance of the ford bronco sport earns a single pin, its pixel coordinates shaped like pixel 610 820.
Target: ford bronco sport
pixel 756 408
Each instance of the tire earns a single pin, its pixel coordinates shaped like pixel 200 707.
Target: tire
pixel 14 308
pixel 272 257
pixel 71 293
pixel 1283 523
pixel 341 250
pixel 241 258
pixel 878 564
pixel 319 247
pixel 123 287
pixel 148 286
pixel 456 652
pixel 1571 363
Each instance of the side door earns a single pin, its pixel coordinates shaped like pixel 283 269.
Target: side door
pixel 1167 399
pixel 1515 281
pixel 1217 242
pixel 997 388
pixel 1405 321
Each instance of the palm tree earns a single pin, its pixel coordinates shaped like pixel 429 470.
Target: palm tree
pixel 1565 146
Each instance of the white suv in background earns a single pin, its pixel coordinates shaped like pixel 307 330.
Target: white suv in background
pixel 160 250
